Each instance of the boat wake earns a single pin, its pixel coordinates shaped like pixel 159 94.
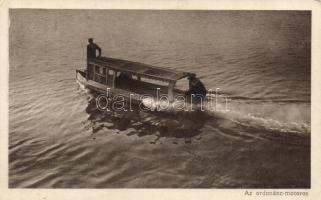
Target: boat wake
pixel 265 120
pixel 267 124
pixel 257 116
pixel 272 116
pixel 267 115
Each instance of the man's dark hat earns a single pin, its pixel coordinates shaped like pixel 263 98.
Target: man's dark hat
pixel 191 77
pixel 90 39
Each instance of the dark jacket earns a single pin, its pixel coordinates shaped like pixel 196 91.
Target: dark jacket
pixel 197 89
pixel 91 51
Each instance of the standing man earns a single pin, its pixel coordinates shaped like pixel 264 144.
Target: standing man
pixel 92 49
pixel 91 53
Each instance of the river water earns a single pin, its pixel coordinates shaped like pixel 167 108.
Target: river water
pixel 259 59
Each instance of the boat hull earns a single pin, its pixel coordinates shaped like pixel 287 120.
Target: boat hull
pixel 143 100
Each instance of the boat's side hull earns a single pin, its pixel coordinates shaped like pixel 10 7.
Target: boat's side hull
pixel 81 77
pixel 116 93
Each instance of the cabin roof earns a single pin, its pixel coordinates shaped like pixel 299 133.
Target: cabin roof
pixel 140 69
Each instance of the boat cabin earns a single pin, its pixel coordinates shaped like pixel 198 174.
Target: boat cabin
pixel 125 76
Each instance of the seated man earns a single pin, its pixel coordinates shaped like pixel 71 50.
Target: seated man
pixel 124 78
pixel 197 89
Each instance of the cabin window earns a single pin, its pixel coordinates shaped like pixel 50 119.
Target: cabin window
pixel 156 82
pixel 98 70
pixel 182 84
pixel 110 72
pixel 135 77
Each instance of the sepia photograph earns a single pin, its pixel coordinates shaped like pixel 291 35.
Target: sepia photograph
pixel 159 98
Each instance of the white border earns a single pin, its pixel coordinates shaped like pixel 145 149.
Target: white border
pixel 313 5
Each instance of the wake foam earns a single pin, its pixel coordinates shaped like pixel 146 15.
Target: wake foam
pixel 283 120
pixel 271 116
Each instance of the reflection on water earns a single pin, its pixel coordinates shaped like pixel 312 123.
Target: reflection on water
pixel 161 124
